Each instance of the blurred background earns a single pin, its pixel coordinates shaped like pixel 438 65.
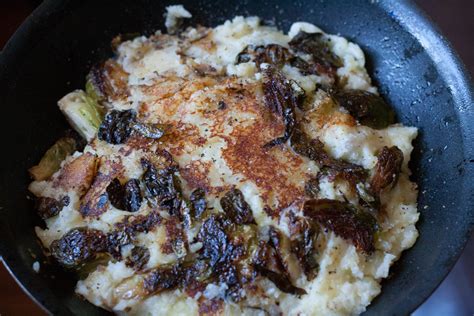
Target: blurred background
pixel 454 297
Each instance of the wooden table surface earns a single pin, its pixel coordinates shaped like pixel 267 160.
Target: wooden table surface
pixel 455 18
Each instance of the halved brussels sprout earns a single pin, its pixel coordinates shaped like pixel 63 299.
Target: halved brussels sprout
pixel 83 113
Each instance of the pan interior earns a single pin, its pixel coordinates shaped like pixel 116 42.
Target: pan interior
pixel 52 52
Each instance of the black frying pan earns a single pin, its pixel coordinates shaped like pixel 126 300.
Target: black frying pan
pixel 413 65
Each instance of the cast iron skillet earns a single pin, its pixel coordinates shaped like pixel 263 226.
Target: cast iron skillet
pixel 413 65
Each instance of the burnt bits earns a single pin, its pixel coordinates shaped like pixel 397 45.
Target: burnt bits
pixel 125 197
pixel 48 207
pixel 387 169
pixel 354 225
pixel 367 108
pixel 78 246
pixel 117 126
pixel 235 206
pixel 281 96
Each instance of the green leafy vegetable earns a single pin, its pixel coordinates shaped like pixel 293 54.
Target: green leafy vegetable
pixel 281 98
pixel 317 45
pixel 51 161
pixel 345 221
pixel 389 166
pixel 368 108
pixel 83 113
pixel 235 206
pixel 314 150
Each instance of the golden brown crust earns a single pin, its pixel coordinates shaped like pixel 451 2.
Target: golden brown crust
pixel 96 201
pixel 118 78
pixel 77 174
pixel 244 124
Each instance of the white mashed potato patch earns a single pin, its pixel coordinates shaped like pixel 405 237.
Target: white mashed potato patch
pixel 216 124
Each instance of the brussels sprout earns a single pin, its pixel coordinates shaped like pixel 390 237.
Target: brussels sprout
pixel 83 113
pixel 281 281
pixel 235 206
pixel 355 225
pixel 48 207
pixel 198 202
pixel 281 98
pixel 368 108
pixel 387 170
pixel 317 45
pixel 138 258
pixel 51 161
pixel 78 246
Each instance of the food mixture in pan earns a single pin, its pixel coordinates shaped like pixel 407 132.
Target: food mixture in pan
pixel 228 170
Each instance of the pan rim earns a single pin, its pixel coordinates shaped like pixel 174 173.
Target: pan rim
pixel 407 14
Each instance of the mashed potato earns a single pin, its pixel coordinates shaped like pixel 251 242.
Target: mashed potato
pixel 216 124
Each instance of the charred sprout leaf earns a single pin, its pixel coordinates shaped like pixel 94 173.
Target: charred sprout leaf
pixel 269 262
pixel 161 279
pixel 305 67
pixel 171 277
pixel 138 258
pixel 83 113
pixel 78 246
pixel 288 260
pixel 153 131
pixel 314 150
pixel 276 55
pixel 235 206
pixel 366 199
pixel 115 192
pixel 106 81
pixel 389 165
pixel 117 126
pixel 303 145
pixel 139 223
pixel 280 97
pixel 272 54
pixel 317 45
pixel 225 249
pixel 176 241
pixel 281 281
pixel 238 268
pixel 163 186
pixel 355 225
pixel 116 240
pixel 305 251
pixel 311 187
pixel 125 231
pixel 198 202
pixel 368 108
pixel 126 197
pixel 298 93
pixel 132 197
pixel 48 207
pixel 51 161
pixel 216 245
pixel 131 288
